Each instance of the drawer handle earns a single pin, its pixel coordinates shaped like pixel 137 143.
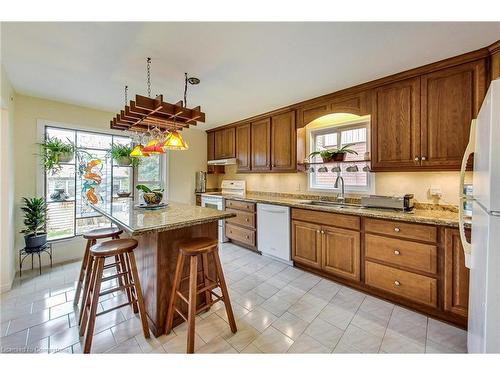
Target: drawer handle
pixel 397 283
pixel 397 229
pixel 318 231
pixel 396 252
pixel 322 232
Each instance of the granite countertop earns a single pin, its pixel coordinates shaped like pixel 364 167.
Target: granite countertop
pixel 135 221
pixel 424 214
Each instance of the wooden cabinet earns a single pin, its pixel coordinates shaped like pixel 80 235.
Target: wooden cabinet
pixel 242 229
pixel 283 142
pixel 243 155
pixel 451 98
pixel 340 253
pixel 328 248
pixel 261 145
pixel 306 243
pixel 211 146
pixel 395 125
pixel 224 143
pixel 456 275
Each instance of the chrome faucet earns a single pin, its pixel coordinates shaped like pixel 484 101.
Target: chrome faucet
pixel 341 195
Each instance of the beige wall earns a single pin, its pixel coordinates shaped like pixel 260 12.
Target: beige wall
pixel 387 183
pixel 28 110
pixel 7 99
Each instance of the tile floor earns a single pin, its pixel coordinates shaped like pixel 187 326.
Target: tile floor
pixel 278 309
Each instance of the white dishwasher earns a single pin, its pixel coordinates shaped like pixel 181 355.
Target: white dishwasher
pixel 273 231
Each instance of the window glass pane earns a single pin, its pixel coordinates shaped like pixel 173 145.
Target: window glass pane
pixel 122 179
pixel 149 170
pixel 61 186
pixel 64 135
pixel 93 140
pixel 121 140
pixel 86 224
pixel 60 220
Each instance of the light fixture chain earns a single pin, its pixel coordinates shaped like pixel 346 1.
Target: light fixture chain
pixel 149 76
pixel 126 95
pixel 185 89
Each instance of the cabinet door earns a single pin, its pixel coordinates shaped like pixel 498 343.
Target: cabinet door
pixel 229 142
pixel 341 252
pixel 396 125
pixel 456 275
pixel 306 243
pixel 219 149
pixel 451 98
pixel 243 147
pixel 261 145
pixel 283 145
pixel 211 146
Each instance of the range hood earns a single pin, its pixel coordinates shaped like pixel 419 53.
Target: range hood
pixel 231 161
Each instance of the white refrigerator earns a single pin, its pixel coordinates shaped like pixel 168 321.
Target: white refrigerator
pixel 482 256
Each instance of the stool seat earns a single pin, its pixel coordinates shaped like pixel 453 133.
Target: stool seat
pixel 100 233
pixel 113 247
pixel 195 246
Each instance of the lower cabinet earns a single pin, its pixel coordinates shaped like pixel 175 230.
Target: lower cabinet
pixel 340 253
pixel 418 265
pixel 242 229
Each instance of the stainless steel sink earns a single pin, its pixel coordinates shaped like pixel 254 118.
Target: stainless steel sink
pixel 332 204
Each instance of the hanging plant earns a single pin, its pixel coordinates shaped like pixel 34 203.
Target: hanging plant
pixel 334 154
pixel 121 154
pixel 54 151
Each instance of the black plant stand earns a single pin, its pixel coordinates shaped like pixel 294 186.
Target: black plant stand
pixel 27 251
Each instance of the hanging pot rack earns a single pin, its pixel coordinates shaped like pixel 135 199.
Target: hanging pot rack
pixel 143 113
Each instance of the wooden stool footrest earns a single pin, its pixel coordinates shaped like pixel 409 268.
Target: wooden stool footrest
pixel 208 305
pixel 208 287
pixel 111 265
pixel 116 289
pixel 181 314
pixel 114 308
pixel 114 276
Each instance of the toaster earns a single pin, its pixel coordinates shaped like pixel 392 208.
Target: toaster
pixel 402 203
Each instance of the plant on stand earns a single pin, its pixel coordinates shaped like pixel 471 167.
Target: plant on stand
pixel 151 196
pixel 54 151
pixel 121 154
pixel 334 154
pixel 34 221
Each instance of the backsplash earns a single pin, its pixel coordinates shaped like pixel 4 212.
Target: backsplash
pixel 386 183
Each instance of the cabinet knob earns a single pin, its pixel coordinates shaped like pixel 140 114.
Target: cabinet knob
pixel 322 232
pixel 396 229
pixel 246 219
pixel 424 158
pixel 397 283
pixel 396 252
pixel 417 158
pixel 318 231
pixel 248 237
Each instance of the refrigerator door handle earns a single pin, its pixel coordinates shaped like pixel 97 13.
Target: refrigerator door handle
pixel 463 198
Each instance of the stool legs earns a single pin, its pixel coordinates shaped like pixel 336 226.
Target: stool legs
pixel 193 274
pixel 175 286
pixel 98 268
pixel 225 294
pixel 138 294
pixel 83 269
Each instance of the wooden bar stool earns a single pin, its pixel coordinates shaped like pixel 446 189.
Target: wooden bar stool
pixel 192 248
pixel 92 237
pixel 124 250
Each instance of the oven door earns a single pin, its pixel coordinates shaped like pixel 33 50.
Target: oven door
pixel 217 204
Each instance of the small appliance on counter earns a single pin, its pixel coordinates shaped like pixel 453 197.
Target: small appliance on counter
pixel 201 182
pixel 402 203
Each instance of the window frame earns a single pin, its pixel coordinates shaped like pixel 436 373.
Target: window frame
pixel 311 133
pixel 41 175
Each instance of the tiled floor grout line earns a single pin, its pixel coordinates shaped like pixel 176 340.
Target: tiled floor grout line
pixel 347 326
pixel 386 327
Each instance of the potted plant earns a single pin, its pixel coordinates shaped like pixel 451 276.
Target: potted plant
pixel 151 196
pixel 334 154
pixel 54 152
pixel 121 154
pixel 34 222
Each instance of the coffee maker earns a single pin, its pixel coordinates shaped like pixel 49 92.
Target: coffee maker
pixel 201 182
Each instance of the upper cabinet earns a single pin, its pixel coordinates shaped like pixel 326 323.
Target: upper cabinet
pixel 211 146
pixel 261 145
pixel 224 143
pixel 395 125
pixel 451 98
pixel 243 155
pixel 283 142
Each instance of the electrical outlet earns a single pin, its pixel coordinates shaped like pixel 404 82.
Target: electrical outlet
pixel 435 190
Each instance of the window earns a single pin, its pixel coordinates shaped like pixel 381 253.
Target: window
pixel 354 134
pixel 68 213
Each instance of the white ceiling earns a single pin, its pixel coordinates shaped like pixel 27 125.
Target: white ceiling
pixel 245 68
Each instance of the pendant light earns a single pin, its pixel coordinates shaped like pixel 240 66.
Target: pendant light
pixel 175 141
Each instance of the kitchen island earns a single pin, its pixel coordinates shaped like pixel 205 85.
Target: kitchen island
pixel 159 233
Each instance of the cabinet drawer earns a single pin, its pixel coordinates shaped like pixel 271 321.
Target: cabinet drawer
pixel 418 288
pixel 326 218
pixel 240 205
pixel 418 256
pixel 243 218
pixel 246 236
pixel 417 232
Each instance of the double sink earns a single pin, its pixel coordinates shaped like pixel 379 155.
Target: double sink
pixel 331 204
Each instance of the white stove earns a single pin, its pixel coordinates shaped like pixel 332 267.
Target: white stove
pixel 217 200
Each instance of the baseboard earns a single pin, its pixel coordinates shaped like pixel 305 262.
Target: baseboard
pixel 7 286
